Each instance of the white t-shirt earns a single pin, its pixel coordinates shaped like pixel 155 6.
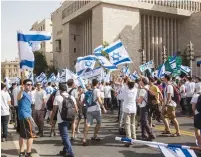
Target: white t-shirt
pixel 5 97
pixel 197 87
pixel 15 93
pixel 190 89
pixel 97 94
pixel 58 101
pixel 194 101
pixel 39 96
pixel 74 92
pixel 102 91
pixel 130 100
pixel 169 89
pixel 143 93
pixel 182 88
pixel 107 91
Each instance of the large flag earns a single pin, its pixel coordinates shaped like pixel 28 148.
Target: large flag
pixel 27 43
pixel 117 53
pixel 103 60
pixel 52 78
pixel 63 76
pixel 84 63
pixel 148 65
pixel 173 64
pixel 168 150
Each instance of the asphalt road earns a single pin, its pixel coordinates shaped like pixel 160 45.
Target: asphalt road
pixel 107 147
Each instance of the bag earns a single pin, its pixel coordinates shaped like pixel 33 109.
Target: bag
pixel 50 101
pixel 177 97
pixel 68 111
pixel 198 104
pixel 88 99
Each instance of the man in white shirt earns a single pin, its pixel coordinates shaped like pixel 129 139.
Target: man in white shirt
pixel 197 114
pixel 182 90
pixel 5 102
pixel 94 112
pixel 169 108
pixel 107 95
pixel 190 89
pixel 39 108
pixel 63 125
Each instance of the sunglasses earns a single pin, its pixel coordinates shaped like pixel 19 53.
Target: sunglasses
pixel 28 84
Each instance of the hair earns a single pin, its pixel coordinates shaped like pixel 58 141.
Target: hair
pixel 27 80
pixel 168 77
pixel 173 78
pixel 70 82
pixel 151 79
pixel 199 78
pixel 137 80
pixel 125 79
pixel 2 86
pixel 13 84
pixel 158 82
pixel 53 85
pixel 190 78
pixel 49 84
pixel 144 80
pixel 94 82
pixel 33 88
pixel 107 83
pixel 130 84
pixel 63 87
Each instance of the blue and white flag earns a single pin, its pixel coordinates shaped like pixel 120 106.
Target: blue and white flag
pixel 58 77
pixel 134 76
pixel 125 70
pixel 173 63
pixel 52 78
pixel 117 53
pixel 41 77
pixel 63 76
pixel 107 77
pixel 27 43
pixel 148 65
pixel 103 60
pixel 84 63
pixel 185 69
pixel 161 71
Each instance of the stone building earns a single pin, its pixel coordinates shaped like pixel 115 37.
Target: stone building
pixel 46 46
pixel 81 26
pixel 10 68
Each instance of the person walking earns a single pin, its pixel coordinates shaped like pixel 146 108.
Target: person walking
pixel 5 103
pixel 26 121
pixel 63 125
pixel 129 109
pixel 107 96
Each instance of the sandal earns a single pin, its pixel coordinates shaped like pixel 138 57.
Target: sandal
pixel 84 143
pixel 95 138
pixel 175 135
pixel 165 132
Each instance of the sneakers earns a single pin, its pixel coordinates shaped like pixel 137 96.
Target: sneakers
pixel 39 134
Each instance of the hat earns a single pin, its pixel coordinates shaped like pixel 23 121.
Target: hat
pixel 62 87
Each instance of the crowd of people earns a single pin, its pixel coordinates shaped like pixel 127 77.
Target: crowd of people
pixel 138 103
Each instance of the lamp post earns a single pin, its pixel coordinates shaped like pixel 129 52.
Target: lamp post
pixel 191 55
pixel 164 55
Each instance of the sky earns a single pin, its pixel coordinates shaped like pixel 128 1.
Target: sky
pixel 20 15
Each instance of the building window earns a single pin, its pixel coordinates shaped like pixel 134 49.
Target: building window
pixel 74 50
pixel 74 38
pixel 58 45
pixel 15 65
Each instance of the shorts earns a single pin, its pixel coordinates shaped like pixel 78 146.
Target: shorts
pixel 93 115
pixel 170 112
pixel 197 119
pixel 26 128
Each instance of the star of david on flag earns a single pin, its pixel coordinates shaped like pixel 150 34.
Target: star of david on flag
pixel 117 53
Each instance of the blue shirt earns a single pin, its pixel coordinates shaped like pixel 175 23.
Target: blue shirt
pixel 24 106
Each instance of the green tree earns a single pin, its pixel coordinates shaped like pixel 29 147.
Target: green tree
pixel 184 56
pixel 51 69
pixel 40 63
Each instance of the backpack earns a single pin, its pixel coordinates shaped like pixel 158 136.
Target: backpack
pixel 177 97
pixel 88 98
pixel 50 101
pixel 68 111
pixel 198 104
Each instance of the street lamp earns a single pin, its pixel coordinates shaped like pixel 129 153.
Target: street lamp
pixel 191 55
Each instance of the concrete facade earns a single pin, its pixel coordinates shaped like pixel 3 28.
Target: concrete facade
pixel 147 25
pixel 10 68
pixel 46 46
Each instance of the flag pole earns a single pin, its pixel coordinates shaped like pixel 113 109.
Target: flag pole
pixel 156 143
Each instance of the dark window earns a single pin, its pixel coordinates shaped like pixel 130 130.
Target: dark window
pixel 58 45
pixel 74 50
pixel 74 38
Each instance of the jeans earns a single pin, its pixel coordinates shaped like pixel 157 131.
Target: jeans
pixel 4 126
pixel 121 114
pixel 63 129
pixel 129 121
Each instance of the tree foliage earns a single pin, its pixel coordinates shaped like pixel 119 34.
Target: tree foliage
pixel 40 63
pixel 184 56
pixel 51 69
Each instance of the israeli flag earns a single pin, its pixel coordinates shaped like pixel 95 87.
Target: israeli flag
pixel 41 77
pixel 84 63
pixel 58 77
pixel 173 63
pixel 134 76
pixel 125 70
pixel 107 77
pixel 52 78
pixel 27 43
pixel 103 60
pixel 63 76
pixel 185 69
pixel 148 65
pixel 117 53
pixel 161 71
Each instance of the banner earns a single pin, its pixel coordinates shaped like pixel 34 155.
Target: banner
pixel 91 74
pixel 146 66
